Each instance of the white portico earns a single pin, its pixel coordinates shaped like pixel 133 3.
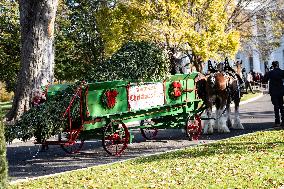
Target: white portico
pixel 251 55
pixel 252 61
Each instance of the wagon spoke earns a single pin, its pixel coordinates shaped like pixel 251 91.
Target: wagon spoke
pixel 115 137
pixel 148 132
pixel 73 144
pixel 116 151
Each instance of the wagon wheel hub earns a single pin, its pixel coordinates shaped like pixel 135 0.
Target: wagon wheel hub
pixel 193 131
pixel 149 132
pixel 194 128
pixel 116 138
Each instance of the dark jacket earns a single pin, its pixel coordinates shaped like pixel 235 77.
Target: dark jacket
pixel 275 76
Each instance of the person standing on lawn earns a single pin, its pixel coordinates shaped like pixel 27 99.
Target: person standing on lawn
pixel 247 77
pixel 276 91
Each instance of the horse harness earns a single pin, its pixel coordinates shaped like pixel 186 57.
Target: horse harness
pixel 231 93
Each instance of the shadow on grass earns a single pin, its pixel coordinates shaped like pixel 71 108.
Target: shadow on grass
pixel 25 160
pixel 224 147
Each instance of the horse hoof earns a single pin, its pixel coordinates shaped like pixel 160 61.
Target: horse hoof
pixel 238 127
pixel 208 132
pixel 224 130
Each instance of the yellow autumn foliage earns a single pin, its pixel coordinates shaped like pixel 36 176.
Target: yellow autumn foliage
pixel 4 95
pixel 196 25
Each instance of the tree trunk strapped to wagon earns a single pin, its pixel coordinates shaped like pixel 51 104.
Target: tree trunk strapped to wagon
pixel 106 107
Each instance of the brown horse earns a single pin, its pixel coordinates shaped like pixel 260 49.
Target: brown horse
pixel 220 89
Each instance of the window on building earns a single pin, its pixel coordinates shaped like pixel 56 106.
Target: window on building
pixel 250 63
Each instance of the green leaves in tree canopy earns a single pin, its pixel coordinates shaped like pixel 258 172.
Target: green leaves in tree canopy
pixel 78 44
pixel 9 43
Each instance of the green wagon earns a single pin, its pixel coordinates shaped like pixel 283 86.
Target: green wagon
pixel 110 110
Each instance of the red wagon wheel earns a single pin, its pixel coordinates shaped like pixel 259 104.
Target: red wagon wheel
pixel 69 139
pixel 148 132
pixel 71 143
pixel 115 137
pixel 193 127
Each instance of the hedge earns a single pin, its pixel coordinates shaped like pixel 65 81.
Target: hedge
pixel 3 161
pixel 139 60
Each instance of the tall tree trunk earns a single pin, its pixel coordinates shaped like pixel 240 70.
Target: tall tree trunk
pixel 37 53
pixel 196 61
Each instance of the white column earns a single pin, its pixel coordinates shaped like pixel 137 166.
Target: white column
pixel 256 61
pixel 242 56
pixel 255 53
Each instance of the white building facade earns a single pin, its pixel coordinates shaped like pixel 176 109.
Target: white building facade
pixel 253 61
pixel 250 55
pixel 278 54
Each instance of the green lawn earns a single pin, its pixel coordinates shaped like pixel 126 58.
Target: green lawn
pixel 249 95
pixel 4 107
pixel 251 161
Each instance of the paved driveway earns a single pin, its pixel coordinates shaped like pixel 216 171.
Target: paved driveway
pixel 25 160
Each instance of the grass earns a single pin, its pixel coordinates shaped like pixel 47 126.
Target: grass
pixel 249 96
pixel 251 161
pixel 4 108
pixel 5 105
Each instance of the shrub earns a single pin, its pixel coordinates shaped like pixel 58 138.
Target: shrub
pixel 46 119
pixel 4 95
pixel 135 60
pixel 3 162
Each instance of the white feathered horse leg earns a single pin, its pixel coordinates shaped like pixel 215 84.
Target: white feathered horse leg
pixel 228 113
pixel 237 122
pixel 221 120
pixel 237 98
pixel 208 124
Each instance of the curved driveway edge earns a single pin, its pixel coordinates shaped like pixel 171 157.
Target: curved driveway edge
pixel 25 161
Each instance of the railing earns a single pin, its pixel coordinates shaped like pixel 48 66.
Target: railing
pixel 258 86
